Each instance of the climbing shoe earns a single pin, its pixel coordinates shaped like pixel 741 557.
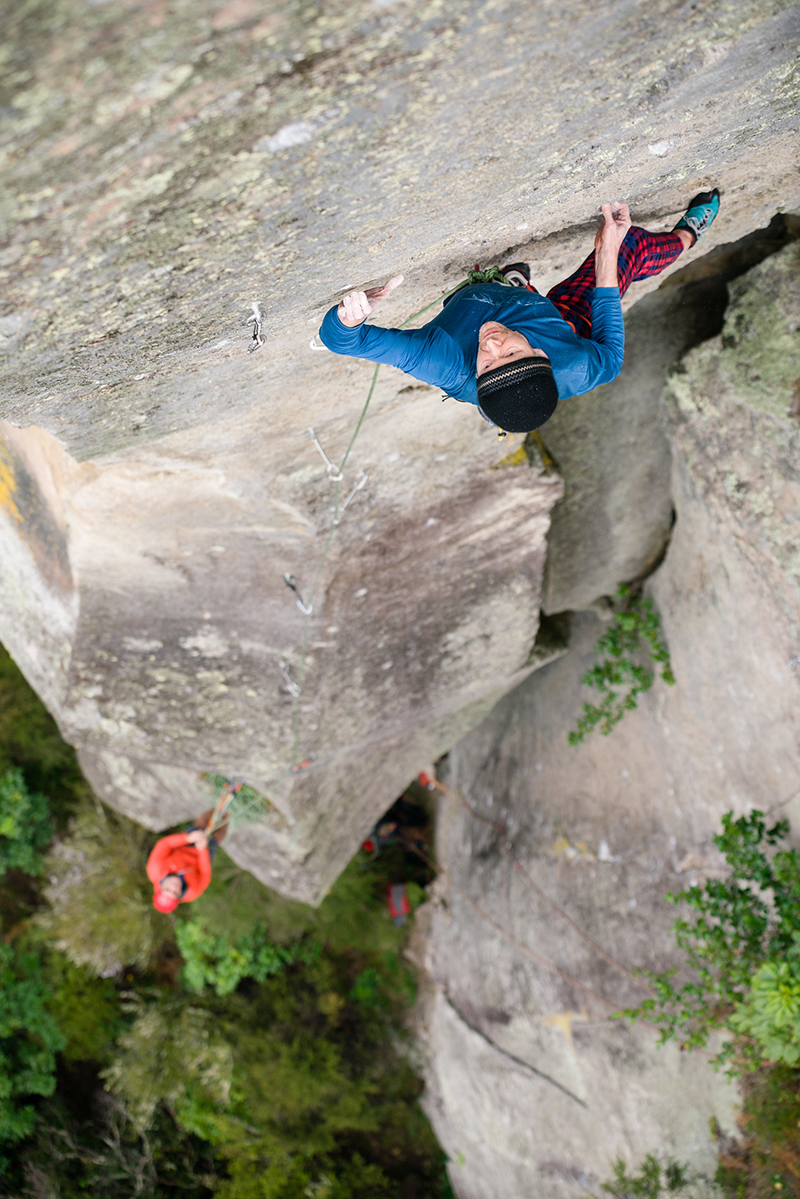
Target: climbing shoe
pixel 518 274
pixel 700 213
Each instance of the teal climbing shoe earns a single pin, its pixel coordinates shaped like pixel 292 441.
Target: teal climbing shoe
pixel 700 213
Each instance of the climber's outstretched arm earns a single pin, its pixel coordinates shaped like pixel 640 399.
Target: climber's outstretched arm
pixel 428 354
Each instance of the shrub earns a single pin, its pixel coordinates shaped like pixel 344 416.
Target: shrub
pixel 284 1176
pixel 740 923
pixel 29 1041
pixel 25 825
pixel 101 914
pixel 618 678
pixel 172 1053
pixel 220 963
pixel 769 1152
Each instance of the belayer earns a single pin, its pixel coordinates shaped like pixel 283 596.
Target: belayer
pixel 510 350
pixel 179 866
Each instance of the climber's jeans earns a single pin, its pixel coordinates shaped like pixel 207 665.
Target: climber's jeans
pixel 641 255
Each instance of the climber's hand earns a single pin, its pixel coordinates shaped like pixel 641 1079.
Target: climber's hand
pixel 197 838
pixel 616 223
pixel 609 238
pixel 356 306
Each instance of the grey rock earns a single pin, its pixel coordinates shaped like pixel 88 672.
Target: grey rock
pixel 533 831
pixel 162 480
pixel 170 645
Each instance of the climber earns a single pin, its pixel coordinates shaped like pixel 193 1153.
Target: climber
pixel 516 353
pixel 179 866
pixel 403 824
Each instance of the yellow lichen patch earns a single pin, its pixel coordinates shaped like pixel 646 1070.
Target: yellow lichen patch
pixel 563 1021
pixel 8 484
pixel 534 444
pixel 518 458
pixel 564 848
pixel 23 502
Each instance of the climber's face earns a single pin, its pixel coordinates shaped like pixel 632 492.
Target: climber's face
pixel 498 345
pixel 172 885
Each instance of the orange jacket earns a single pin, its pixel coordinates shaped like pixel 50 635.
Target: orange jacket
pixel 174 855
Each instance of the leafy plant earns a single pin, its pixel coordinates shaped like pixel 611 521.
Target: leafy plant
pixel 738 924
pixel 652 1181
pixel 771 1013
pixel 101 914
pixel 25 825
pixel 290 1177
pixel 220 963
pixel 618 677
pixel 29 1041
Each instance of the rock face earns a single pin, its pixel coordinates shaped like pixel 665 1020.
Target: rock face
pixel 168 166
pixel 558 858
pixel 426 612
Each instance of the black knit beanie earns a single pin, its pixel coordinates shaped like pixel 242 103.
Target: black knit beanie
pixel 518 396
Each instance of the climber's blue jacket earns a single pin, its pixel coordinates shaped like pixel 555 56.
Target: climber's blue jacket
pixel 444 351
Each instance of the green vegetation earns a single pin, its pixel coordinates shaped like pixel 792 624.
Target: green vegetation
pixel 247 1046
pixel 100 910
pixel 737 926
pixel 218 962
pixel 770 1016
pixel 29 1041
pixel 30 741
pixel 245 806
pixel 25 825
pixel 171 1054
pixel 653 1180
pixel 86 1009
pixel 634 631
pixel 740 941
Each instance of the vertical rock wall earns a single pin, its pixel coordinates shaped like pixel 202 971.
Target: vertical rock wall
pixel 603 830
